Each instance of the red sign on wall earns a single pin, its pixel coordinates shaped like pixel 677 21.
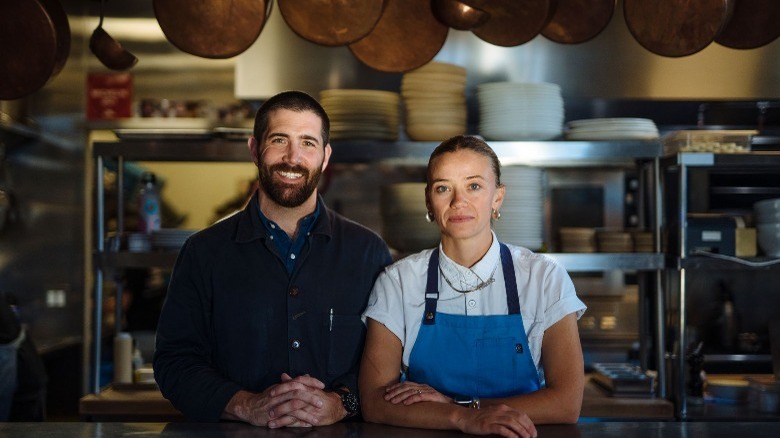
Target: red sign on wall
pixel 109 96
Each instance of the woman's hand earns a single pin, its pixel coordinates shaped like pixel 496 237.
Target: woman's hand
pixel 408 393
pixel 496 419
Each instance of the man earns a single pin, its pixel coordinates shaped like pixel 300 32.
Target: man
pixel 261 322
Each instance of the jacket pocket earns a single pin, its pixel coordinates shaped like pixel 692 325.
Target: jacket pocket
pixel 346 334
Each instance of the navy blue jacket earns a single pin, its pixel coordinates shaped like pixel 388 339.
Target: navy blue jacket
pixel 234 319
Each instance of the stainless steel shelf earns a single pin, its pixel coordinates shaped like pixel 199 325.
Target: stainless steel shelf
pixel 571 261
pixel 540 153
pixel 756 159
pixel 607 261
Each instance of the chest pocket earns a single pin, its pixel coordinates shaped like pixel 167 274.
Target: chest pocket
pixel 345 339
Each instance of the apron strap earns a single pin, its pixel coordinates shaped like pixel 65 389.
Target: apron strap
pixel 508 267
pixel 432 289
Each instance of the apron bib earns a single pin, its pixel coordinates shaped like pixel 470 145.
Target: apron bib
pixel 479 356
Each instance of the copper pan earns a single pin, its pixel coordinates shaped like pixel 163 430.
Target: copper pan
pixel 34 45
pixel 676 28
pixel 754 23
pixel 331 22
pixel 512 22
pixel 214 29
pixel 407 36
pixel 578 21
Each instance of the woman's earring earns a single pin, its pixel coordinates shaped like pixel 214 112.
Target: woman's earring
pixel 496 214
pixel 429 216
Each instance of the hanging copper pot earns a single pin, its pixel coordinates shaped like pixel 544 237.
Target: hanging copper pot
pixel 34 45
pixel 753 23
pixel 108 50
pixel 406 37
pixel 512 22
pixel 216 29
pixel 578 21
pixel 331 22
pixel 673 28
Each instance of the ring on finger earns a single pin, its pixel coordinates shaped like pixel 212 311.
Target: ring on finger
pixel 419 391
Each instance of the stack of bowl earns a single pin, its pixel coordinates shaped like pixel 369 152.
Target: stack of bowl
pixel 643 241
pixel 362 114
pixel 614 241
pixel 577 239
pixel 767 215
pixel 435 100
pixel 520 111
pixel 404 228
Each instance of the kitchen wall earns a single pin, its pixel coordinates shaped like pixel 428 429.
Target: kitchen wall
pixel 42 251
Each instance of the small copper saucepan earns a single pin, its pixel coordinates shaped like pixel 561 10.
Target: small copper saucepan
pixel 108 50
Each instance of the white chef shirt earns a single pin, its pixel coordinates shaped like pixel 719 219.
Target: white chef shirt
pixel 545 290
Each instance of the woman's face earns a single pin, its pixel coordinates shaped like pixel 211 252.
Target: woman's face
pixel 463 194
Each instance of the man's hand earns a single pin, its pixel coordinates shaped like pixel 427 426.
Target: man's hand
pixel 295 402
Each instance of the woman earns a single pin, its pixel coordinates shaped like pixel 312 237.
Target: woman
pixel 473 323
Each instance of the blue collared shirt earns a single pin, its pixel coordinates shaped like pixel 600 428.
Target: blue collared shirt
pixel 289 249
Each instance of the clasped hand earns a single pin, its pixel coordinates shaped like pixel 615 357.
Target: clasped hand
pixel 295 402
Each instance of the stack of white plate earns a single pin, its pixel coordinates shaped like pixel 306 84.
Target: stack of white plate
pixel 170 238
pixel 520 111
pixel 522 213
pixel 403 210
pixel 362 114
pixel 435 100
pixel 625 128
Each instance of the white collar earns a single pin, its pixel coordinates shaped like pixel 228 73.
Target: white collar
pixel 464 278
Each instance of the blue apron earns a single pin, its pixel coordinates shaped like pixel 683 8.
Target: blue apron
pixel 478 356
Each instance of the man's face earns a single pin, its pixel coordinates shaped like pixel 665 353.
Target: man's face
pixel 292 157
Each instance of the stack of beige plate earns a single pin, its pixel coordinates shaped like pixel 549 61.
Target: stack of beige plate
pixel 435 100
pixel 614 241
pixel 404 228
pixel 577 239
pixel 522 213
pixel 643 241
pixel 520 111
pixel 362 114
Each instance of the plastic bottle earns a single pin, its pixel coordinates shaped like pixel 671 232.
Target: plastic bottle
pixel 148 204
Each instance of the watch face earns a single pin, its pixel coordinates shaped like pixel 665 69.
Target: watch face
pixel 350 402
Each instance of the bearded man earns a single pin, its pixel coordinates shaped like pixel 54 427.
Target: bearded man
pixel 261 322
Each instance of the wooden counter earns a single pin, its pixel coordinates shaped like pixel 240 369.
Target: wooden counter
pixel 145 403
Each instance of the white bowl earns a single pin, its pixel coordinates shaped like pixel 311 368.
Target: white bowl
pixel 767 206
pixel 769 238
pixel 767 217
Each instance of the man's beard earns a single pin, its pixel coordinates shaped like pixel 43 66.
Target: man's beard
pixel 287 195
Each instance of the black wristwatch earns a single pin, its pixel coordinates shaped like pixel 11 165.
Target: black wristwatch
pixel 348 400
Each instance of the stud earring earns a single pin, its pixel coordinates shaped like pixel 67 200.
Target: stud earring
pixel 496 214
pixel 429 217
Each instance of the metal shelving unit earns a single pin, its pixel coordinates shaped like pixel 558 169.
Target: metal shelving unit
pixel 625 154
pixel 678 167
